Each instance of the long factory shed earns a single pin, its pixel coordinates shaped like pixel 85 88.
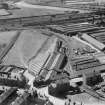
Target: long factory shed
pixel 86 65
pixel 100 36
pixel 73 29
pixel 93 41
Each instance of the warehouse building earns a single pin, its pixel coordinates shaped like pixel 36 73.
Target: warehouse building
pixel 86 65
pixel 93 41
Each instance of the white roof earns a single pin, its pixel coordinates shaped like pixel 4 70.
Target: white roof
pixel 4 12
pixel 93 41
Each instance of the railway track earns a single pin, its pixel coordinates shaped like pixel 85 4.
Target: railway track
pixel 31 21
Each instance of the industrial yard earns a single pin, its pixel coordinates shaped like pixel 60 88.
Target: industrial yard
pixel 52 52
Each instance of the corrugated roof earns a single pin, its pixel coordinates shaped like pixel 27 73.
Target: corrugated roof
pixel 93 41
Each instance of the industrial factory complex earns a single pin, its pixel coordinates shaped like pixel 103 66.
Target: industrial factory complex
pixel 52 52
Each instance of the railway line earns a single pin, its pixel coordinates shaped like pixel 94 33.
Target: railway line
pixel 64 18
pixel 42 18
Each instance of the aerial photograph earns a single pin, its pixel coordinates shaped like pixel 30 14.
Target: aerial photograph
pixel 52 52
